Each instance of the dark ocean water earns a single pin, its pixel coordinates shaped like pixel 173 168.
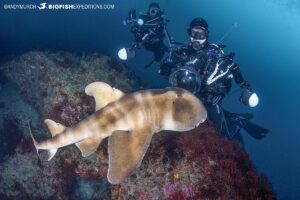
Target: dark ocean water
pixel 266 43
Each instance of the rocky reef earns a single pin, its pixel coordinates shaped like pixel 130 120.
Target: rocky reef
pixel 199 164
pixel 54 82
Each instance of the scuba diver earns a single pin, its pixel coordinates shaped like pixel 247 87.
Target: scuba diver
pixel 204 69
pixel 149 31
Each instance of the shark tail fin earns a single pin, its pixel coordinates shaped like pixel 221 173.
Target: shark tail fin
pixel 55 129
pixel 34 141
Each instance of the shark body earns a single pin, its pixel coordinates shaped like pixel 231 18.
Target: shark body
pixel 129 120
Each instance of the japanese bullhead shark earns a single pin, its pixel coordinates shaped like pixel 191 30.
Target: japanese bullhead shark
pixel 129 120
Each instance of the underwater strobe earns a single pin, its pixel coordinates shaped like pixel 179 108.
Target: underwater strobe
pixel 249 98
pixel 126 53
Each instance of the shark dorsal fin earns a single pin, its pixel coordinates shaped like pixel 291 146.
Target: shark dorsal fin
pixel 103 93
pixel 126 150
pixel 54 127
pixel 88 146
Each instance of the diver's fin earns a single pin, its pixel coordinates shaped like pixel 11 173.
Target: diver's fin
pixel 255 130
pixel 126 151
pixel 88 146
pixel 55 129
pixel 103 93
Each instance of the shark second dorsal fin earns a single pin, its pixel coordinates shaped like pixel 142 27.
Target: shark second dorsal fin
pixel 103 93
pixel 88 146
pixel 126 151
pixel 54 127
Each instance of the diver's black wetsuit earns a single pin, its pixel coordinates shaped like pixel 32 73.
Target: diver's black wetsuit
pixel 216 70
pixel 216 73
pixel 150 34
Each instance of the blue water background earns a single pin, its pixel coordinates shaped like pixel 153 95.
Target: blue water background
pixel 266 43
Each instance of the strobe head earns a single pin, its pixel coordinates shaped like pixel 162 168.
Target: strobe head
pixel 126 53
pixel 249 98
pixel 140 22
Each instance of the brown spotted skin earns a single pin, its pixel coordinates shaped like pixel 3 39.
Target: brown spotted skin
pixel 164 109
pixel 186 111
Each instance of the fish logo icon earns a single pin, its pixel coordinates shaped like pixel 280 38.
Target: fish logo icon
pixel 42 6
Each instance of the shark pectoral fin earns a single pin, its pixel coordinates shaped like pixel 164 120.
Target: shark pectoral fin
pixel 103 93
pixel 54 127
pixel 88 146
pixel 126 150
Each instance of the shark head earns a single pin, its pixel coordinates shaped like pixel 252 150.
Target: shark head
pixel 186 111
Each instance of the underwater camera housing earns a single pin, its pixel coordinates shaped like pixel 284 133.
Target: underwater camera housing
pixel 126 53
pixel 187 78
pixel 132 18
pixel 249 98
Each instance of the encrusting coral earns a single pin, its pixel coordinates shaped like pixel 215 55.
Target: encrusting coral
pixel 199 164
pixel 54 82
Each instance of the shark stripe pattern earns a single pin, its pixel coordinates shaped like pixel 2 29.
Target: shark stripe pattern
pixel 129 120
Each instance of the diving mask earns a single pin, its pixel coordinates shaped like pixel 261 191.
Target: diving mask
pixel 153 11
